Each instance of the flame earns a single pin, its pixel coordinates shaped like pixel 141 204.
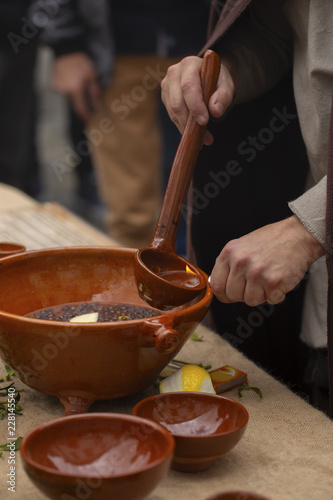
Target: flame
pixel 189 271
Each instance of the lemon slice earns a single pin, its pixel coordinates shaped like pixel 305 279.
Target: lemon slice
pixel 191 378
pixel 85 318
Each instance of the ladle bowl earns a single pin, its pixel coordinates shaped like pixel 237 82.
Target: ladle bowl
pixel 165 279
pixel 83 362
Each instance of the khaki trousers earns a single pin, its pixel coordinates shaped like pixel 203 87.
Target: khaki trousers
pixel 127 149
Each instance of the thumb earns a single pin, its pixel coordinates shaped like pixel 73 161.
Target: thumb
pixel 224 94
pixel 220 101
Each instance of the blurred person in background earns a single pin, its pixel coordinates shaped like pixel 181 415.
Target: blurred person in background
pixel 110 57
pixel 18 49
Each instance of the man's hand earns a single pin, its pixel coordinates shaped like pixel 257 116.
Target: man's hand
pixel 182 93
pixel 266 264
pixel 74 75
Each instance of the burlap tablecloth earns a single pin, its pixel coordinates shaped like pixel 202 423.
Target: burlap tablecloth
pixel 286 452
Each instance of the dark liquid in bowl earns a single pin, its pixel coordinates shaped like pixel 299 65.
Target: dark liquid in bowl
pixel 106 312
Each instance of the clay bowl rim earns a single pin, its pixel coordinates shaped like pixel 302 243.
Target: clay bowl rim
pixel 9 248
pixel 29 254
pixel 200 395
pixel 99 416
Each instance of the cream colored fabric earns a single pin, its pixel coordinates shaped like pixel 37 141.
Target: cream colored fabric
pixel 13 198
pixel 285 454
pixel 313 83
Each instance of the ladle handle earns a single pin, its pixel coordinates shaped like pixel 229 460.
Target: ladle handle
pixel 184 162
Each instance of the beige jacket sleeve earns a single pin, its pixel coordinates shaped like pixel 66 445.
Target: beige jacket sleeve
pixel 310 208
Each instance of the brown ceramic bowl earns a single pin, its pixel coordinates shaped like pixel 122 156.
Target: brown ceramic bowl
pixel 8 248
pixel 84 362
pixel 205 426
pixel 97 456
pixel 237 495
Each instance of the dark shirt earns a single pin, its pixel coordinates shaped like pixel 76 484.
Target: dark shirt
pixel 12 19
pixel 163 27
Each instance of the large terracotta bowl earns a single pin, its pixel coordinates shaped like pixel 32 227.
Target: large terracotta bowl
pixel 97 456
pixel 204 426
pixel 81 363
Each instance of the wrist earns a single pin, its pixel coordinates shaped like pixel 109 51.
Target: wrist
pixel 307 241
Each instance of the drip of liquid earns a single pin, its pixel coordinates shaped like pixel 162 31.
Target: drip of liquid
pixel 179 277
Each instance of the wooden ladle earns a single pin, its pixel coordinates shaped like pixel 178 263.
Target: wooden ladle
pixel 164 279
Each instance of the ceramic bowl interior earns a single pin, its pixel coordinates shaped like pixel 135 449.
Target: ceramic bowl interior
pixel 81 362
pixel 205 426
pixel 112 455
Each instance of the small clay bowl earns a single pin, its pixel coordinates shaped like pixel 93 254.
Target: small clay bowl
pixel 237 495
pixel 205 426
pixel 8 248
pixel 97 455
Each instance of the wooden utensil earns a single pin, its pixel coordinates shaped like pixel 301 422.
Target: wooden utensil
pixel 164 279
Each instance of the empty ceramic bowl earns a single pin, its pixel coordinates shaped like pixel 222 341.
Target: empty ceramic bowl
pixel 205 426
pixel 97 456
pixel 84 362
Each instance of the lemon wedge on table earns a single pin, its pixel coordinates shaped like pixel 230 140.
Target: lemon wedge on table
pixel 191 378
